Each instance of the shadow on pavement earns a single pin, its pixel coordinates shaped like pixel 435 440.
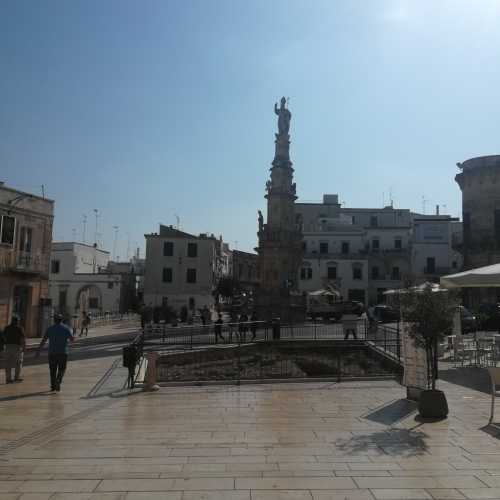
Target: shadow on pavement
pixel 392 412
pixel 470 377
pixel 393 442
pixel 14 397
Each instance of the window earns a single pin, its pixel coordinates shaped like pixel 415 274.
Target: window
pixel 454 264
pixel 332 272
pixel 191 276
pixel 306 273
pixel 345 247
pixel 354 219
pixel 357 273
pixel 25 237
pixel 323 247
pixel 63 295
pixel 164 301
pixel 304 246
pixel 55 266
pixel 373 221
pixel 398 243
pixel 8 230
pixel 167 275
pixel 192 250
pixel 395 275
pixel 375 273
pixel 375 244
pixel 168 249
pixel 431 265
pixel 110 285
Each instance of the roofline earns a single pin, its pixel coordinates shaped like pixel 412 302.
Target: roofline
pixel 78 243
pixel 29 195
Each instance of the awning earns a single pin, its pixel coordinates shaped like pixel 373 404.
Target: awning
pixel 419 288
pixel 488 276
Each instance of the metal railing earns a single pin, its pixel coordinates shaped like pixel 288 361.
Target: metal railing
pixel 278 360
pixel 15 260
pixel 244 332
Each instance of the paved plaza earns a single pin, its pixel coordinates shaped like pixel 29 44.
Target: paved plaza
pixel 321 441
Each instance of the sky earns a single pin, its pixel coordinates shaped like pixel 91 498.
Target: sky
pixel 152 110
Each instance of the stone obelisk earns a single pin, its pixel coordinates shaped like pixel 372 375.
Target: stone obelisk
pixel 280 238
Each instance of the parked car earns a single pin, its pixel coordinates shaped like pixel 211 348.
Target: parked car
pixel 384 314
pixel 489 317
pixel 468 320
pixel 334 310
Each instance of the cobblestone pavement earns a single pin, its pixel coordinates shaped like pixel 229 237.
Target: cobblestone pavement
pixel 314 441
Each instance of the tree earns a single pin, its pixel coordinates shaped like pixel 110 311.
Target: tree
pixel 225 288
pixel 429 315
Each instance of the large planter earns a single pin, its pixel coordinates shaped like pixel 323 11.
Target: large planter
pixel 433 404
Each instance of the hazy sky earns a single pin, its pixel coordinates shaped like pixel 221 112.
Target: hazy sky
pixel 147 109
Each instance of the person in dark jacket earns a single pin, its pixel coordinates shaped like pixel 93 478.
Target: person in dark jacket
pixel 15 344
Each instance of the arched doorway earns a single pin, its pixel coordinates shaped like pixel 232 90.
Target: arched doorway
pixel 89 299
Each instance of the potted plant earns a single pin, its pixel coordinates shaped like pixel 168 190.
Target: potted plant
pixel 428 312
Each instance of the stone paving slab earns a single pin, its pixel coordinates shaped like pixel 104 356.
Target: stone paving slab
pixel 314 441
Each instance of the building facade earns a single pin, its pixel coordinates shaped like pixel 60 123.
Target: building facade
pixel 244 270
pixel 182 269
pixel 80 280
pixel 362 252
pixel 25 238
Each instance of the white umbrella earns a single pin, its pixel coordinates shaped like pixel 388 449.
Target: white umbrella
pixel 488 276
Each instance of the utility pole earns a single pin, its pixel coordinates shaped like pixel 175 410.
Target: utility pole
pixel 114 242
pixel 84 231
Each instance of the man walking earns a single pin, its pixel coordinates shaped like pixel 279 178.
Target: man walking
pixel 58 336
pixel 15 344
pixel 85 324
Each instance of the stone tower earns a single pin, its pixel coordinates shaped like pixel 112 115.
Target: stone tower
pixel 280 238
pixel 479 181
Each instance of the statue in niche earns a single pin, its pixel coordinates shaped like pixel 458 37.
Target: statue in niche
pixel 294 188
pixel 268 186
pixel 284 117
pixel 261 221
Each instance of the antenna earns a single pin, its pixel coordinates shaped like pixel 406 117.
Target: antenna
pixel 73 234
pixel 96 212
pixel 424 203
pixel 178 219
pixel 114 241
pixel 43 191
pixel 391 201
pixel 383 199
pixel 128 247
pixel 84 231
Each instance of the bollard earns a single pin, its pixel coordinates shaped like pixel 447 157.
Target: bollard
pixel 150 378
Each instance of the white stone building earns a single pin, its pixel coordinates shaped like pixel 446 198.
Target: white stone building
pixel 362 252
pixel 79 280
pixel 183 269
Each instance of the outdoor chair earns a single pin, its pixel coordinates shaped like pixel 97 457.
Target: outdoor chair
pixel 487 352
pixel 465 350
pixel 495 380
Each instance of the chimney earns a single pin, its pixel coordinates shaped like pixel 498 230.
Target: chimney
pixel 437 209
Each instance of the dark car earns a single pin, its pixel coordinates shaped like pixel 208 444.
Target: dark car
pixel 385 314
pixel 489 317
pixel 468 320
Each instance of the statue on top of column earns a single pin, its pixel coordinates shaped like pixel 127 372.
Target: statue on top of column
pixel 284 117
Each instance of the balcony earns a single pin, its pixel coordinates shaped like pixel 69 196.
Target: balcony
pixel 21 262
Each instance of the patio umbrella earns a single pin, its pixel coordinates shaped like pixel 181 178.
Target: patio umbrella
pixel 488 276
